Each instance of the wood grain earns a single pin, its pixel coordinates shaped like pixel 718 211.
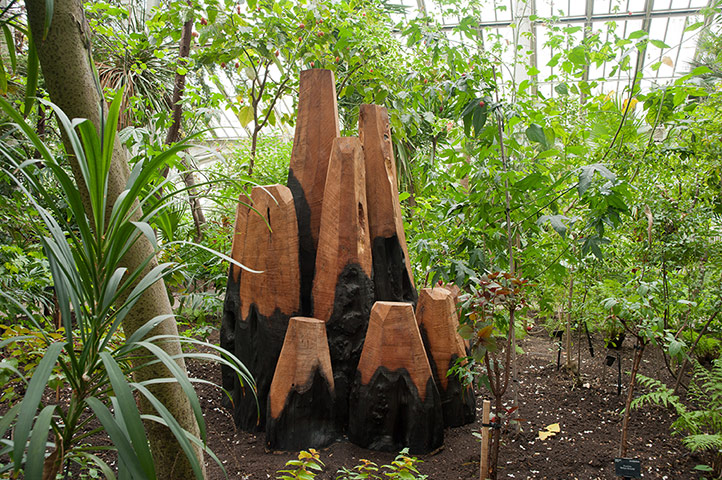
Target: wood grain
pixel 344 235
pixel 393 276
pixel 271 246
pixel 436 314
pixel 393 341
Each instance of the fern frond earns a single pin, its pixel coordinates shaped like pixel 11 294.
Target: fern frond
pixel 660 394
pixel 703 441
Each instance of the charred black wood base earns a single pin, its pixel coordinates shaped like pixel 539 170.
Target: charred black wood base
pixel 388 414
pixel 346 331
pixel 306 249
pixel 257 343
pixel 391 279
pixel 231 308
pixel 308 418
pixel 458 403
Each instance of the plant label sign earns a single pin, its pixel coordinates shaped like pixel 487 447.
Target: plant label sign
pixel 628 467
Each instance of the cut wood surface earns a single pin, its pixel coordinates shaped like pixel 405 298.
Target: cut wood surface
pixel 343 291
pixel 271 247
pixel 238 241
pixel 436 314
pixel 438 322
pixel 301 398
pixel 394 401
pixel 344 235
pixel 393 277
pixel 393 341
pixel 259 305
pixel 304 350
pixel 316 128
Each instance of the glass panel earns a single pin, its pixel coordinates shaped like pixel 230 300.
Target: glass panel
pixel 636 6
pixel 602 6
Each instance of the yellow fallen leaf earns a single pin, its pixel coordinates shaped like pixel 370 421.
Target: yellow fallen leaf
pixel 543 435
pixel 554 427
pixel 667 61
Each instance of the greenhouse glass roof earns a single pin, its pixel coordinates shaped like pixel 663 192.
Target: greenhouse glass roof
pixel 672 25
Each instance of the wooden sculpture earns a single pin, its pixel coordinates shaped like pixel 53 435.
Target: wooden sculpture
pixel 301 399
pixel 394 400
pixel 328 246
pixel 256 326
pixel 316 129
pixel 393 277
pixel 342 288
pixel 438 323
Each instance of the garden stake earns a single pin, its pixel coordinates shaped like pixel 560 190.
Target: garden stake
pixel 558 334
pixel 484 472
pixel 619 374
pixel 589 339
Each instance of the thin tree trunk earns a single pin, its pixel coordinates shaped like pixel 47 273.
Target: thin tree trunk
pixel 510 249
pixel 639 350
pixel 174 132
pixel 568 346
pixel 254 145
pixel 65 58
pixel 680 374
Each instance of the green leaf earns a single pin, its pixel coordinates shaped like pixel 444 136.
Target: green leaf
pixel 578 56
pixel 562 89
pixel 637 34
pixel 659 44
pixel 131 416
pixel 10 44
pixel 556 223
pixel 31 82
pixel 174 427
pixel 29 405
pixel 694 26
pixel 36 450
pixel 3 79
pixel 701 70
pixel 245 115
pixel 49 10
pixel 535 133
pixel 478 120
pixel 126 453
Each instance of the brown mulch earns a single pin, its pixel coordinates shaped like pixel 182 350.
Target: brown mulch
pixel 588 412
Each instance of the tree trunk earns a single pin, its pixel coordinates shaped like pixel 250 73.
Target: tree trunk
pixel 174 132
pixel 638 351
pixel 65 61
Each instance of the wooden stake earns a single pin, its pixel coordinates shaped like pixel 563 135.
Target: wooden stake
pixel 485 414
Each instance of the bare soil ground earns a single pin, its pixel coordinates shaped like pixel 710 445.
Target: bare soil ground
pixel 588 412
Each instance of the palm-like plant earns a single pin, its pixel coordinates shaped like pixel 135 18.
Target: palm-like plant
pixel 84 250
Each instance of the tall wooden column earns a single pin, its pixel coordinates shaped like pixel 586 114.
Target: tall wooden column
pixel 316 128
pixel 393 277
pixel 301 399
pixel 267 299
pixel 394 400
pixel 342 289
pixel 438 322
